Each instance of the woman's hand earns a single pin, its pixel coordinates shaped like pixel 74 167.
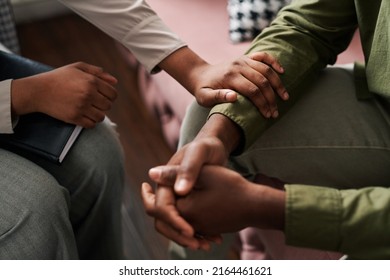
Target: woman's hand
pixel 255 76
pixel 78 93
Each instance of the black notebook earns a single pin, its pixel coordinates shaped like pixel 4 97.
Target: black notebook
pixel 41 135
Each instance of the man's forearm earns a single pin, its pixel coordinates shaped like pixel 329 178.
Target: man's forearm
pixel 266 207
pixel 224 129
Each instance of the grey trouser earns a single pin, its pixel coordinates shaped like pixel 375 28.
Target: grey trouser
pixel 328 138
pixel 67 211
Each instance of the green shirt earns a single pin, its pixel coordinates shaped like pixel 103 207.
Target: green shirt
pixel 305 37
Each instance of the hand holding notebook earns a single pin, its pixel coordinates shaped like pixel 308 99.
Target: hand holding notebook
pixel 77 93
pixel 67 99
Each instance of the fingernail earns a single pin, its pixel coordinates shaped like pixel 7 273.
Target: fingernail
pixel 181 185
pixel 154 172
pixel 268 114
pixel 230 94
pixel 275 114
pixel 285 95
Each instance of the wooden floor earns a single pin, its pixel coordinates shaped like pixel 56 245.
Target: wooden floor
pixel 68 39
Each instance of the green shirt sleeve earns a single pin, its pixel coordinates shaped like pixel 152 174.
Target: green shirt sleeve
pixel 306 36
pixel 353 222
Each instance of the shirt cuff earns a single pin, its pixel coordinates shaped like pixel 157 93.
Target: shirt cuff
pixel 313 217
pixel 151 41
pixel 245 115
pixel 5 107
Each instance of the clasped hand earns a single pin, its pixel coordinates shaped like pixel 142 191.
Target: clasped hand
pixel 218 201
pixel 187 163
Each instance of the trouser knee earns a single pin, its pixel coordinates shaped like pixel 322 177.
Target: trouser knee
pixel 35 220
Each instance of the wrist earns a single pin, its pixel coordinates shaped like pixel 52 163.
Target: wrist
pixel 221 127
pixel 29 94
pixel 266 207
pixel 184 66
pixel 22 97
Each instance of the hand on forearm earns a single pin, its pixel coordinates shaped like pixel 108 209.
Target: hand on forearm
pixel 78 93
pixel 255 76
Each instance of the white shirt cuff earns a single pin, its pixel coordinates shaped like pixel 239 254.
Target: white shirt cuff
pixel 6 125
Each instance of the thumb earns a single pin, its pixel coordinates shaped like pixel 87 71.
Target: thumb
pixel 164 174
pixel 209 97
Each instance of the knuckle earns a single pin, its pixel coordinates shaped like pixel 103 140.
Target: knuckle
pixel 229 74
pixel 84 98
pixel 92 81
pixel 218 95
pixel 194 146
pixel 268 70
pixel 182 171
pixel 263 84
pixel 253 91
pixel 265 54
pixel 237 62
pixel 169 176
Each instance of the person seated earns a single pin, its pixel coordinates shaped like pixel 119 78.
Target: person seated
pixel 329 147
pixel 72 210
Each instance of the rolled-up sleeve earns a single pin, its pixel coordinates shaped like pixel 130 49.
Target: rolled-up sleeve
pixel 132 23
pixel 305 37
